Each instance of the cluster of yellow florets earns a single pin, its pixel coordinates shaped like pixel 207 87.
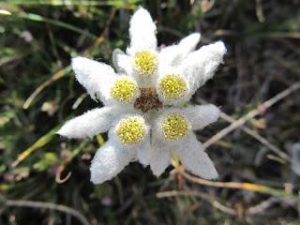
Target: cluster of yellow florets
pixel 131 130
pixel 124 89
pixel 145 63
pixel 175 126
pixel 172 86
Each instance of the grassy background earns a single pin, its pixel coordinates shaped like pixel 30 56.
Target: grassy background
pixel 45 178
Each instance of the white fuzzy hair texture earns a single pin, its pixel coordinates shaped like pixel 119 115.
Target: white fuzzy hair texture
pixel 111 158
pixel 174 54
pixel 142 32
pixel 188 148
pixel 96 77
pixel 108 161
pixel 195 159
pixel 191 153
pixel 90 123
pixel 160 158
pixel 122 62
pixel 201 116
pixel 199 66
pixel 196 66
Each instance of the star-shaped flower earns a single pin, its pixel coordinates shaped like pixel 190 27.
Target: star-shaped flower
pixel 146 110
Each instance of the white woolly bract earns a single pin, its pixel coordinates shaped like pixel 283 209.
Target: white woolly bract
pixel 91 123
pixel 108 161
pixel 200 65
pixel 142 32
pixel 195 159
pixel 122 62
pixel 190 152
pixel 94 76
pixel 160 159
pixel 144 152
pixel 112 135
pixel 174 54
pixel 201 115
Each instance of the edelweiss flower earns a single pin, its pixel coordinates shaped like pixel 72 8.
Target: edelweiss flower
pixel 146 112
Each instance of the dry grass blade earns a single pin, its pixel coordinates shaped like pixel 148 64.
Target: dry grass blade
pixel 254 134
pixel 204 196
pixel 258 137
pixel 242 186
pixel 42 141
pixel 250 115
pixel 60 73
pixel 47 205
pixel 56 76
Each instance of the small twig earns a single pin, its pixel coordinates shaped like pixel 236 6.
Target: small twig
pixel 214 203
pixel 101 37
pixel 58 178
pixel 236 185
pixel 254 134
pixel 263 206
pixel 48 205
pixel 259 11
pixel 258 137
pixel 250 115
pixel 56 76
pixel 42 141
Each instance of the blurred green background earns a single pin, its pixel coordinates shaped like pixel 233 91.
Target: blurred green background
pixel 44 179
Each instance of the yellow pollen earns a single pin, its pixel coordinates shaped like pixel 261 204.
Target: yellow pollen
pixel 175 126
pixel 124 89
pixel 145 63
pixel 172 86
pixel 131 130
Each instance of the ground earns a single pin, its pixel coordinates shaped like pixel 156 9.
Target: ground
pixel 45 179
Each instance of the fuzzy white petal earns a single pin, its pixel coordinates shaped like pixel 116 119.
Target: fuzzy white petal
pixel 142 32
pixel 160 156
pixel 200 65
pixel 94 76
pixel 189 43
pixel 108 161
pixel 160 159
pixel 195 159
pixel 144 153
pixel 201 116
pixel 122 62
pixel 174 54
pixel 90 123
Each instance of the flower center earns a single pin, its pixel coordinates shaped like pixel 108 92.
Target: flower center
pixel 175 126
pixel 131 130
pixel 172 86
pixel 145 63
pixel 124 89
pixel 148 100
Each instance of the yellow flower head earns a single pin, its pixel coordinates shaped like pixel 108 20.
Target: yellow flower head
pixel 175 126
pixel 172 86
pixel 145 63
pixel 124 89
pixel 131 130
